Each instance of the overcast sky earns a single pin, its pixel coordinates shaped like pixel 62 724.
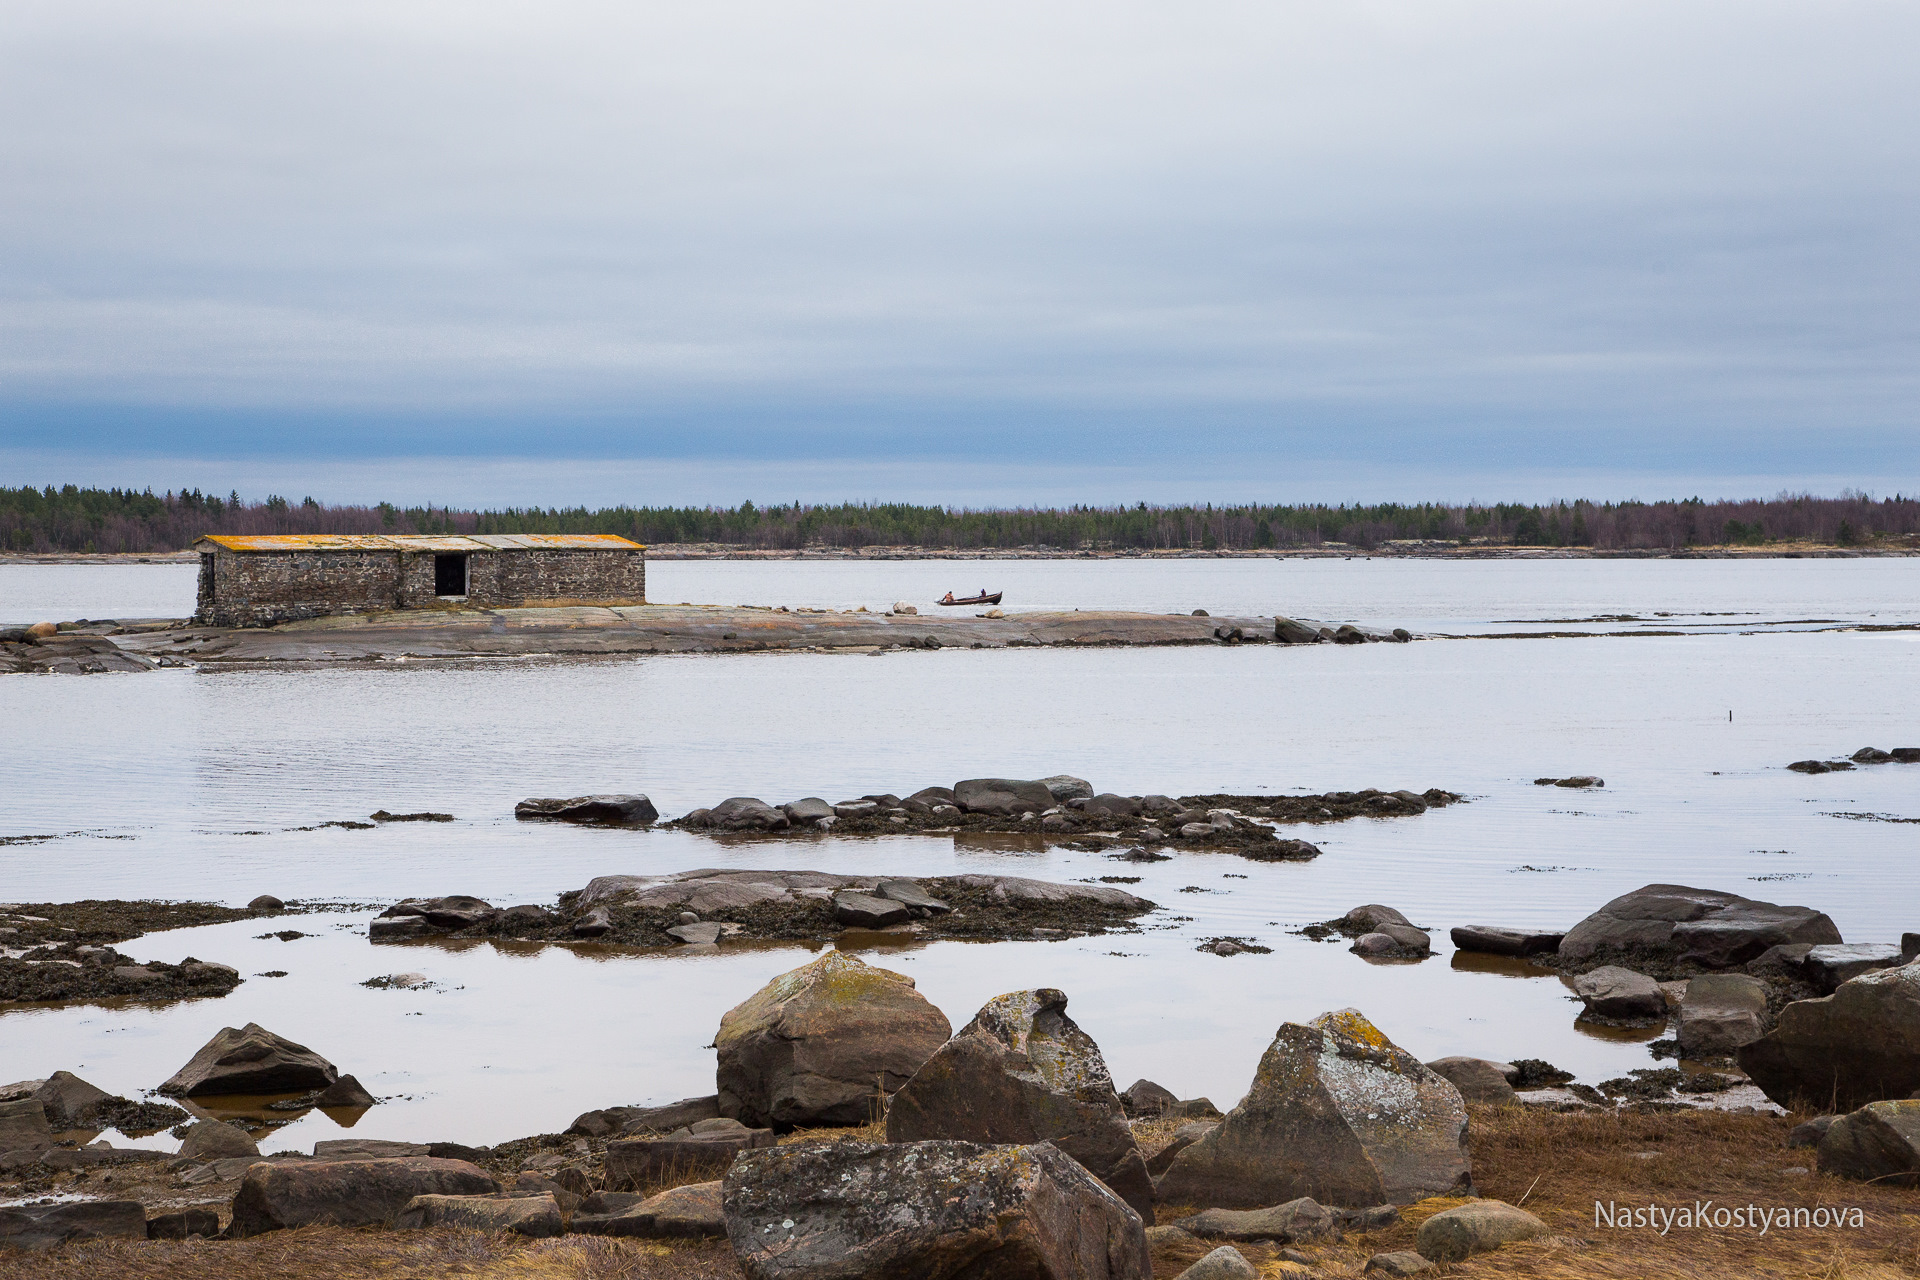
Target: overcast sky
pixel 990 252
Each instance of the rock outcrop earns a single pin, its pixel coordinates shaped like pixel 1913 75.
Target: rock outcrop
pixel 850 1211
pixel 1859 1045
pixel 1337 1112
pixel 251 1059
pixel 350 1193
pixel 1693 926
pixel 1023 1072
pixel 815 1046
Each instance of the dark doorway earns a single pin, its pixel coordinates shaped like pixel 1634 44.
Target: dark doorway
pixel 450 575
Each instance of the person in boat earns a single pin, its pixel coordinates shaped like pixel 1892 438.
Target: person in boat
pixel 949 598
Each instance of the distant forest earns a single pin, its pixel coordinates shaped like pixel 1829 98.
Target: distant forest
pixel 122 520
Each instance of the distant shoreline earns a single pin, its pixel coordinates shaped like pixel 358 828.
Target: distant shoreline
pixel 1327 551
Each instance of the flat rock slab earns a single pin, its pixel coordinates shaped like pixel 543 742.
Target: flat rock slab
pixel 34 1227
pixel 1495 940
pixel 1829 966
pixel 348 1193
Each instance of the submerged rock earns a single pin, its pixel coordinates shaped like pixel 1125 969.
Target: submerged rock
pixel 1337 1112
pixel 850 1210
pixel 1023 1072
pixel 814 1046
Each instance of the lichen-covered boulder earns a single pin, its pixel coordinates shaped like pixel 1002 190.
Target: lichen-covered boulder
pixel 927 1211
pixel 251 1059
pixel 1022 1072
pixel 814 1046
pixel 1700 926
pixel 1878 1143
pixel 1859 1045
pixel 1337 1112
pixel 1454 1235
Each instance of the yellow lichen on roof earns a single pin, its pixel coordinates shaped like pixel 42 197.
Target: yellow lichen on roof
pixel 439 542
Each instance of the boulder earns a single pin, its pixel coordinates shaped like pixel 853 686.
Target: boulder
pixel 1613 992
pixel 1224 1263
pixel 603 811
pixel 1337 1112
pixel 931 797
pixel 1399 940
pixel 1871 755
pixel 346 1092
pixel 745 813
pixel 1456 1234
pixel 251 1059
pixel 1859 1045
pixel 1910 947
pixel 689 1211
pixel 34 1227
pixel 216 1140
pixel 455 911
pixel 865 910
pixel 909 894
pixel 266 902
pixel 1826 967
pixel 1024 1072
pixel 1400 1262
pixel 1700 926
pixel 1494 940
pixel 1780 962
pixel 1300 1221
pixel 184 1225
pixel 23 1126
pixel 1144 1098
pixel 1478 1079
pixel 1002 797
pixel 1370 918
pixel 848 1211
pixel 1809 1132
pixel 276 1194
pixel 813 1046
pixel 536 1216
pixel 811 809
pixel 1878 1143
pixel 702 933
pixel 398 928
pixel 1183 1137
pixel 1063 787
pixel 1719 1013
pixel 1287 631
pixel 70 1101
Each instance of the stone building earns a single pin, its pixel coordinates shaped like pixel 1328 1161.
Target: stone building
pixel 260 581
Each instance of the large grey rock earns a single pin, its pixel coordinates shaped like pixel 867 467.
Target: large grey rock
pixel 1478 1079
pixel 33 1227
pixel 70 1101
pixel 1700 926
pixel 1494 940
pixel 1613 992
pixel 536 1216
pixel 688 1211
pixel 604 810
pixel 251 1059
pixel 938 1210
pixel 1456 1234
pixel 23 1126
pixel 1064 787
pixel 637 1164
pixel 1023 1072
pixel 276 1194
pixel 1373 916
pixel 1828 966
pixel 1878 1143
pixel 1859 1045
pixel 1224 1263
pixel 1300 1221
pixel 1337 1112
pixel 1289 631
pixel 1394 940
pixel 1721 1012
pixel 813 1046
pixel 1002 797
pixel 811 809
pixel 216 1140
pixel 745 813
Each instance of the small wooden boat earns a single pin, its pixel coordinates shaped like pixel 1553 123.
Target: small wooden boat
pixel 982 598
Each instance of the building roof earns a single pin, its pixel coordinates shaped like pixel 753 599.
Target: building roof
pixel 441 542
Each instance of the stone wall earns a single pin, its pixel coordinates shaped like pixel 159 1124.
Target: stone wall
pixel 262 588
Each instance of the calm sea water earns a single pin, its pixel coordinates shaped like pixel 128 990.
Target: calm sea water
pixel 185 784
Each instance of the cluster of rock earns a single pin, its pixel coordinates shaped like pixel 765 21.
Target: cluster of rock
pixel 83 971
pixel 1378 932
pixel 703 907
pixel 1064 806
pixel 1579 781
pixel 1865 755
pixel 1302 631
pixel 44 649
